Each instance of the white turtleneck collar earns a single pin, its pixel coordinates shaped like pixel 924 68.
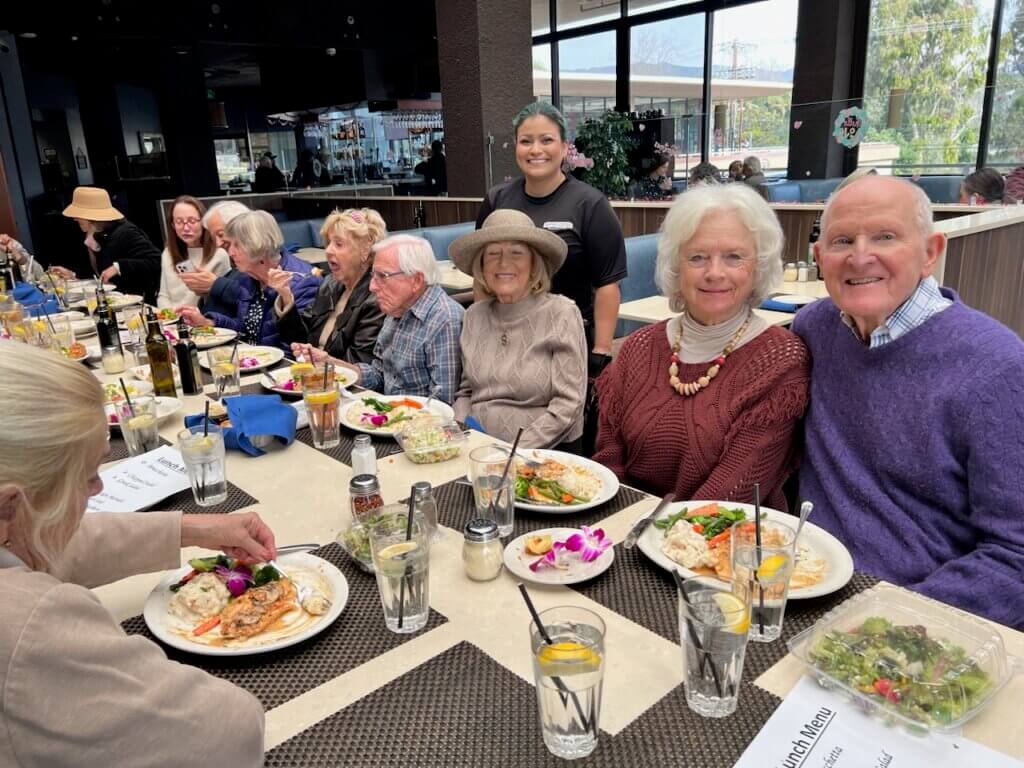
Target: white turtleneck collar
pixel 703 343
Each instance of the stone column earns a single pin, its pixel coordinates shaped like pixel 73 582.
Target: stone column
pixel 484 48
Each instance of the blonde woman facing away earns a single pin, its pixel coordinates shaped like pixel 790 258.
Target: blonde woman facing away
pixel 73 687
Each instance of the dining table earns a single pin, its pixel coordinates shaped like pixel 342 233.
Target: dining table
pixel 460 691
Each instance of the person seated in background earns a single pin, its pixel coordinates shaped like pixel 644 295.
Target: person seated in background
pixel 524 352
pixel 704 173
pixel 344 319
pixel 658 182
pixel 1013 187
pixel 120 252
pixel 255 248
pixel 24 259
pixel 417 351
pixel 268 177
pixel 984 187
pixel 708 403
pixel 752 174
pixel 189 247
pixel 218 293
pixel 72 683
pixel 736 170
pixel 913 449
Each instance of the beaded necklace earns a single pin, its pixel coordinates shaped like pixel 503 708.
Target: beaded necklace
pixel 690 388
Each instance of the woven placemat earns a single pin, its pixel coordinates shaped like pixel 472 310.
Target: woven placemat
pixel 356 637
pixel 455 508
pixel 186 502
pixel 464 710
pixel 645 594
pixel 343 451
pixel 119 448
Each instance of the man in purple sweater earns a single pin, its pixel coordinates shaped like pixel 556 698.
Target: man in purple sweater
pixel 915 435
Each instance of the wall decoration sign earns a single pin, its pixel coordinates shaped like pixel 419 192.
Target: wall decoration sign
pixel 850 126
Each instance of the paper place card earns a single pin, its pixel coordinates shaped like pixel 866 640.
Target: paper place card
pixel 141 481
pixel 815 728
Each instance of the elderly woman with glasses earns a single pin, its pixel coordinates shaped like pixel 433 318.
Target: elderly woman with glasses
pixel 524 351
pixel 344 319
pixel 417 351
pixel 275 282
pixel 71 681
pixel 706 404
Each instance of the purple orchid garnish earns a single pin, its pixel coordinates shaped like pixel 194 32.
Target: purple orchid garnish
pixel 377 419
pixel 551 559
pixel 591 544
pixel 236 579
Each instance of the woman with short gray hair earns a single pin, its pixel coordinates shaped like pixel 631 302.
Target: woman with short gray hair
pixel 256 249
pixel 706 405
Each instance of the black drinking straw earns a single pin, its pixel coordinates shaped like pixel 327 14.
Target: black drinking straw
pixel 562 689
pixel 202 466
pixel 131 408
pixel 405 575
pixel 504 474
pixel 757 537
pixel 705 659
pixel 325 374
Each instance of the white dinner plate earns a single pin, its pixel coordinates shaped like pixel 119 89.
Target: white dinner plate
pixel 609 482
pixel 141 372
pixel 350 409
pixel 71 315
pixel 161 622
pixel 134 388
pixel 83 328
pixel 280 377
pixel 839 563
pixel 165 408
pixel 264 357
pixel 122 300
pixel 517 560
pixel 794 298
pixel 206 341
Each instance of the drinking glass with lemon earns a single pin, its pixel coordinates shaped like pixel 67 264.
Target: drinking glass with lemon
pixel 401 562
pixel 224 368
pixel 321 396
pixel 713 636
pixel 760 574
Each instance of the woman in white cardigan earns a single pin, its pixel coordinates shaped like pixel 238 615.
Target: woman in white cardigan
pixel 190 247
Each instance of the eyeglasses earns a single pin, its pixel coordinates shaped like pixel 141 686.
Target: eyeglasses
pixel 190 221
pixel 383 277
pixel 729 260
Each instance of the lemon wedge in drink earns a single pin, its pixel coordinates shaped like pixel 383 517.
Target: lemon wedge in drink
pixel 322 398
pixel 141 421
pixel 224 369
pixel 771 565
pixel 568 658
pixel 391 551
pixel 735 611
pixel 298 370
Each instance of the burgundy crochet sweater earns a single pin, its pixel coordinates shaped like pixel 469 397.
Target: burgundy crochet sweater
pixel 738 431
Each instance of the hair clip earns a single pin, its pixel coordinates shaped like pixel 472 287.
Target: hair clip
pixel 357 217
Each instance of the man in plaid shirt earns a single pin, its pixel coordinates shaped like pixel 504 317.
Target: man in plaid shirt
pixel 417 351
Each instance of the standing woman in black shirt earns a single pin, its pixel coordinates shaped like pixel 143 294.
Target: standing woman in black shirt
pixel 578 213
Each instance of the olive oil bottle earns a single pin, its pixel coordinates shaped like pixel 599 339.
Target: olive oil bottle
pixel 160 355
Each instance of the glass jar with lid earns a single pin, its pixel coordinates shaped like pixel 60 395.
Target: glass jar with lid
pixel 482 551
pixel 365 502
pixel 789 272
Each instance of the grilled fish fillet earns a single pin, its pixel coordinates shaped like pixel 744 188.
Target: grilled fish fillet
pixel 257 609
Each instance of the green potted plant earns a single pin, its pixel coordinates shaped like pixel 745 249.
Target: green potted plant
pixel 607 140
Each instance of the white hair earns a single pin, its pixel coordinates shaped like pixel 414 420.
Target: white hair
pixel 415 255
pixel 257 233
pixel 685 217
pixel 753 163
pixel 922 205
pixel 228 210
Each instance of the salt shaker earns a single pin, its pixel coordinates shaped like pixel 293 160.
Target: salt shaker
pixel 424 503
pixel 801 272
pixel 364 458
pixel 482 550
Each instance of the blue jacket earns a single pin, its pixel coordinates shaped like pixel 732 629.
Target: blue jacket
pixel 304 287
pixel 223 297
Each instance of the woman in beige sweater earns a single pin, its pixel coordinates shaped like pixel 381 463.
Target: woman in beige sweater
pixel 74 689
pixel 524 352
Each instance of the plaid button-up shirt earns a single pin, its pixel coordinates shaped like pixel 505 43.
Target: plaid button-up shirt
pixel 926 300
pixel 419 353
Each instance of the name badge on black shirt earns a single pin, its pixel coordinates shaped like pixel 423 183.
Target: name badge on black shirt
pixel 557 226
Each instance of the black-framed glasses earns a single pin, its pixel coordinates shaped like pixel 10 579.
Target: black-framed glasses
pixel 383 277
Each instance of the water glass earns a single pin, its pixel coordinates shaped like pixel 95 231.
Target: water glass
pixel 11 315
pixel 402 567
pixel 63 334
pixel 568 674
pixel 495 500
pixel 139 424
pixel 713 637
pixel 322 401
pixel 224 368
pixel 204 460
pixel 760 575
pixel 135 322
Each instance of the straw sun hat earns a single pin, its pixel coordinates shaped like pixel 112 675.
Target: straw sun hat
pixel 508 225
pixel 92 204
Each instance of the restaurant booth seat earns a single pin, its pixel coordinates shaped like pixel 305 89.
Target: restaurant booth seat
pixel 641 256
pixel 299 234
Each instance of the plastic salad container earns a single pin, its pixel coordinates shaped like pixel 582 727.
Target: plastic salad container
pixel 430 439
pixel 907 658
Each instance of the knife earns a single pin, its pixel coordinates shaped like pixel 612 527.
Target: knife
pixel 643 522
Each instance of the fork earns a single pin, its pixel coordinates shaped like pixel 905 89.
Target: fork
pixel 302 591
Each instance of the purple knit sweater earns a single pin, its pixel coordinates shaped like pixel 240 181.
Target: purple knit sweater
pixel 914 454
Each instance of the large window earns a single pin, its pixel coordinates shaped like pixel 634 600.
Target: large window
pixel 1006 142
pixel 752 82
pixel 578 13
pixel 542 72
pixel 924 84
pixel 586 74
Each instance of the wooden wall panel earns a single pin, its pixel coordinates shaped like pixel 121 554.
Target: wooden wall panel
pixel 987 270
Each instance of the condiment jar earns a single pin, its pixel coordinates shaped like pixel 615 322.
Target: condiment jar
pixel 789 272
pixel 364 497
pixel 112 360
pixel 801 272
pixel 364 458
pixel 481 550
pixel 812 271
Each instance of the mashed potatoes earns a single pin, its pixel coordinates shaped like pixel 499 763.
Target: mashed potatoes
pixel 687 547
pixel 201 598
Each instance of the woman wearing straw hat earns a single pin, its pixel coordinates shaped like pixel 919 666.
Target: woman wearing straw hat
pixel 119 251
pixel 524 351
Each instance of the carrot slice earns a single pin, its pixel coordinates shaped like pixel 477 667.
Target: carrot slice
pixel 714 541
pixel 708 510
pixel 207 625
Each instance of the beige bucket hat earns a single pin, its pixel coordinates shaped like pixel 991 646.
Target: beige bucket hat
pixel 504 225
pixel 92 204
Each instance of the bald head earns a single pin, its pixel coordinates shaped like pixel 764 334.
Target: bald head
pixel 882 192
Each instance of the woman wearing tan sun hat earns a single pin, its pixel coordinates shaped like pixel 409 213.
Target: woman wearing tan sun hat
pixel 524 352
pixel 119 251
